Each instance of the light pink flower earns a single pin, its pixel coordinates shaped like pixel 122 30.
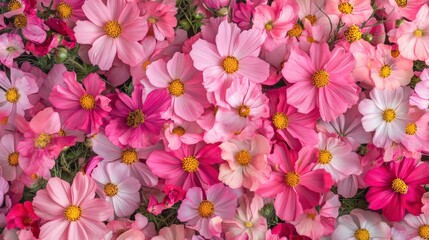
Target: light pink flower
pixel 112 30
pixel 197 209
pixel 350 11
pixel 124 227
pixel 71 212
pixel 179 133
pixel 11 47
pixel 175 232
pixel 420 96
pixel 9 157
pixel 160 18
pixel 407 9
pixel 416 227
pixel 69 10
pixel 415 136
pixel 364 53
pixel 30 25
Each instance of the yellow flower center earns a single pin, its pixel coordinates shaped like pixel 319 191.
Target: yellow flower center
pixel 110 189
pixel 324 157
pixel 280 120
pixel 34 176
pixel 424 231
pixel 362 234
pixel 73 213
pixel 14 5
pixel 269 26
pixel 345 8
pixel 311 18
pixel 401 3
pixel 12 159
pixel 395 53
pixel 112 29
pixel 389 115
pixel 418 33
pixel 353 33
pixel 292 179
pixel 206 209
pixel 399 186
pixel 311 216
pixel 320 78
pixel 310 39
pixel 411 129
pixel 385 71
pixel 151 20
pixel 61 133
pixel 87 102
pixel 296 31
pixel 42 140
pixel 12 95
pixel 243 111
pixel 135 118
pixel 243 157
pixel 230 64
pixel 190 164
pixel 176 88
pixel 146 64
pixel 129 157
pixel 64 10
pixel 179 131
pixel 20 21
pixel 248 224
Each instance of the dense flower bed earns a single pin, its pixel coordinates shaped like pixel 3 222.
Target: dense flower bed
pixel 214 119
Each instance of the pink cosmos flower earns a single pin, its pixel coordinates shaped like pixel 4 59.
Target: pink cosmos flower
pixel 350 11
pixel 128 157
pixel 407 9
pixel 337 158
pixel 179 133
pixel 326 78
pixel 295 182
pixel 160 18
pixel 9 157
pixel 183 82
pixel 364 53
pixel 11 47
pixel 314 12
pixel 246 162
pixel 42 49
pixel 198 208
pixel 22 216
pixel 15 91
pixel 30 25
pixel 295 128
pixel 420 96
pixel 285 231
pixel 360 224
pixel 71 212
pixel 173 194
pixel 234 55
pixel 413 37
pixel 118 188
pixel 69 10
pixel 416 227
pixel 112 30
pixel 55 77
pixel 247 221
pixel 136 120
pixel 415 137
pixel 82 108
pixel 396 188
pixel 390 71
pixel 175 232
pixel 124 227
pixel 386 114
pixel 189 166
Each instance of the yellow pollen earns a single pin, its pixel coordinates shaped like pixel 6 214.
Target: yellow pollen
pixel 42 140
pixel 311 18
pixel 395 53
pixel 345 8
pixel 411 129
pixel 110 189
pixel 64 10
pixel 248 224
pixel 112 29
pixel 385 71
pixel 418 33
pixel 362 234
pixel 269 26
pixel 146 64
pixel 401 3
pixel 280 120
pixel 353 33
pixel 190 164
pixel 399 186
pixel 311 216
pixel 135 118
pixel 34 176
pixel 310 39
pixel 206 209
pixel 12 159
pixel 243 111
pixel 292 179
pixel 20 21
pixel 179 131
pixel 87 102
pixel 296 31
pixel 243 157
pixel 73 213
pixel 320 78
pixel 129 157
pixel 14 5
pixel 230 64
pixel 61 133
pixel 12 95
pixel 176 88
pixel 151 20
pixel 324 157
pixel 424 231
pixel 389 115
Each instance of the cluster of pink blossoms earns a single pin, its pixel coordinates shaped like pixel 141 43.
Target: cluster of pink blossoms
pixel 235 120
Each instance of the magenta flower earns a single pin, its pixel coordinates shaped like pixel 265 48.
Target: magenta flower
pixel 189 166
pixel 82 108
pixel 395 188
pixel 22 216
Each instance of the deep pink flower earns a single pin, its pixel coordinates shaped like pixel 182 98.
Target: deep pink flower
pixel 22 216
pixel 60 27
pixel 173 194
pixel 41 49
pixel 69 10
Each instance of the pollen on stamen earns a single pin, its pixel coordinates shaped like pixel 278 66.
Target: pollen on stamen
pixel 230 64
pixel 176 88
pixel 87 102
pixel 112 29
pixel 20 21
pixel 320 78
pixel 12 95
pixel 353 33
pixel 345 8
pixel 64 10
